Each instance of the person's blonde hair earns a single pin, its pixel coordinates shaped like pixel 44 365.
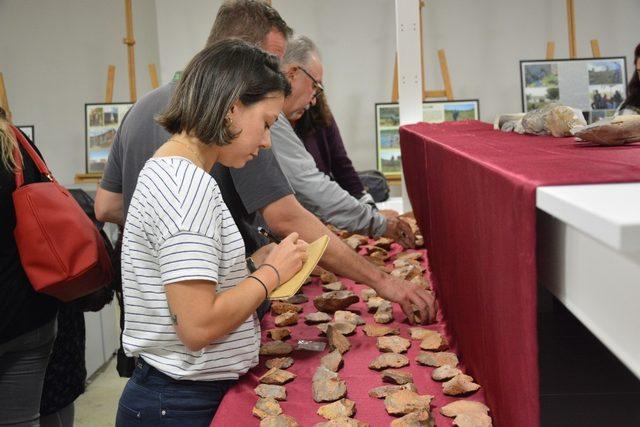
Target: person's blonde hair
pixel 7 144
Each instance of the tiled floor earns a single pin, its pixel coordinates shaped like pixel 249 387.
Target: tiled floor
pixel 98 405
pixel 581 382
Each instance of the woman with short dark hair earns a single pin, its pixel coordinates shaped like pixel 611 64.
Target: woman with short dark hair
pixel 189 303
pixel 631 104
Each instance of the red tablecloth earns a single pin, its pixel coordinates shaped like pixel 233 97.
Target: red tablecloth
pixel 235 409
pixel 473 194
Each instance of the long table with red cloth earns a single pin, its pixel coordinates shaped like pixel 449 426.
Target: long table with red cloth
pixel 473 192
pixel 235 408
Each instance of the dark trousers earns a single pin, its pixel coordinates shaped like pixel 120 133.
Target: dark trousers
pixel 152 398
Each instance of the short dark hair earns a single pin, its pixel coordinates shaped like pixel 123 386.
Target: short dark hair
pixel 248 20
pixel 217 77
pixel 633 88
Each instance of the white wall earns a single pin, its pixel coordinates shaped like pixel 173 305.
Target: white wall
pixel 54 54
pixel 484 40
pixel 54 57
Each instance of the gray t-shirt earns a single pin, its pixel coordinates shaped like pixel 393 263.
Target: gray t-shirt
pixel 245 191
pixel 316 191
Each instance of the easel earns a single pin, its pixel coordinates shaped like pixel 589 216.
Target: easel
pixel 571 27
pixel 4 102
pixel 447 92
pixel 129 41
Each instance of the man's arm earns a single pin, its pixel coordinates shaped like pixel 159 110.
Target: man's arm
pixel 314 189
pixel 286 215
pixel 109 206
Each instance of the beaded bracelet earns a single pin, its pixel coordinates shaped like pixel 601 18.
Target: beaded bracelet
pixel 266 292
pixel 274 269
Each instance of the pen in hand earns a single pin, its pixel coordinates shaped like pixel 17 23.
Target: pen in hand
pixel 264 232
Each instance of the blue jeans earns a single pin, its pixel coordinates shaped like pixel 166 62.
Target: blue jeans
pixel 23 362
pixel 152 398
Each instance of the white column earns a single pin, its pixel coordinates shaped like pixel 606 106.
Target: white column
pixel 409 70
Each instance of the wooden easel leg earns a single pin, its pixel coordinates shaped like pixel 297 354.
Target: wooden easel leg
pixel 394 89
pixel 595 48
pixel 571 25
pixel 4 101
pixel 153 74
pixel 444 68
pixel 551 49
pixel 111 75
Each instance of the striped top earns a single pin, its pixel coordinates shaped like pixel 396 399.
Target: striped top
pixel 178 228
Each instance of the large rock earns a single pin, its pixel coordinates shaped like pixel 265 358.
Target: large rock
pixel 409 255
pixel 472 420
pixel 407 272
pixel 389 360
pixel 276 376
pixel 342 316
pixel 328 277
pixel 385 390
pixel 265 407
pixel 281 420
pixel 273 391
pixel 281 307
pixel 405 401
pixel 444 373
pixel 327 386
pixel 279 334
pixel 393 344
pixel 333 286
pixel 279 362
pixel 286 319
pixel 355 241
pixel 384 313
pixel 460 384
pixel 342 422
pixel 297 299
pixel 434 342
pixel 379 330
pixel 340 408
pixel 330 302
pixel 404 262
pixel 317 317
pixel 374 302
pixel 332 360
pixel 343 328
pixel 414 419
pixel 384 243
pixel 336 340
pixel 275 348
pixel 458 407
pixel 437 359
pixel 396 376
pixel 367 293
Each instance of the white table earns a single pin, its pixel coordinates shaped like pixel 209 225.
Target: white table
pixel 589 258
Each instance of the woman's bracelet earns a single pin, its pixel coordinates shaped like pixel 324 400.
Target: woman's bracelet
pixel 274 269
pixel 266 292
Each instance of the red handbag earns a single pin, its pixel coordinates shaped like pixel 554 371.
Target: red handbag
pixel 60 248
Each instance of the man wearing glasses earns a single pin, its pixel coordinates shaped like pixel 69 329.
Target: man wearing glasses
pixel 313 188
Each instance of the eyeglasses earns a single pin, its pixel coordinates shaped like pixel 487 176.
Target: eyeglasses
pixel 317 86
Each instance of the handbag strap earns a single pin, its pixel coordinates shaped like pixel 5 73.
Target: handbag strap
pixel 42 167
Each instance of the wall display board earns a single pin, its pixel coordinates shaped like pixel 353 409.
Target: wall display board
pixel 596 86
pixel 28 130
pixel 388 158
pixel 101 123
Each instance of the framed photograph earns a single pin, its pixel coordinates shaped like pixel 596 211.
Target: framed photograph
pixel 595 85
pixel 28 130
pixel 388 156
pixel 101 123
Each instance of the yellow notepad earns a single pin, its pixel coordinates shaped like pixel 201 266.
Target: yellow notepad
pixel 291 286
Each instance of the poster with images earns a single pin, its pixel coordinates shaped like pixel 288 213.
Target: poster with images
pixel 594 85
pixel 101 123
pixel 388 156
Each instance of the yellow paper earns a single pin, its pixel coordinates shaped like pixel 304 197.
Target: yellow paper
pixel 291 286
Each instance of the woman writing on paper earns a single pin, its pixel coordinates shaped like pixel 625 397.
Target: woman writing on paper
pixel 189 302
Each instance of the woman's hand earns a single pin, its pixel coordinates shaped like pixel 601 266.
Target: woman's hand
pixel 288 257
